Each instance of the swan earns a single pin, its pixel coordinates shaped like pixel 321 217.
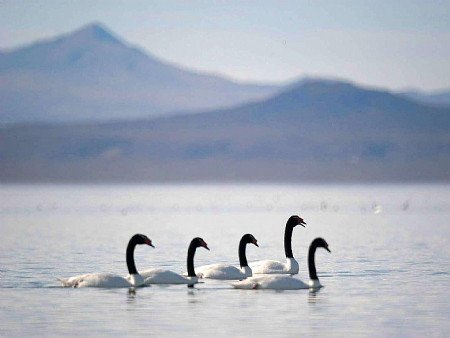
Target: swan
pixel 229 272
pixel 161 276
pixel 107 280
pixel 285 282
pixel 276 267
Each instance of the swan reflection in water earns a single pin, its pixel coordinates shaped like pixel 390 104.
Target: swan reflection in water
pixel 131 295
pixel 192 295
pixel 313 296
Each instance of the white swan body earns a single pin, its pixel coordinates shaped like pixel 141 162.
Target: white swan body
pixel 275 267
pixel 102 280
pixel 285 282
pixel 271 282
pixel 314 284
pixel 223 272
pixel 276 282
pixel 229 272
pixel 135 279
pixel 107 280
pixel 161 276
pixel 247 271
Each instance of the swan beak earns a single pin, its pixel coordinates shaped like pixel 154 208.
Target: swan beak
pixel 256 243
pixel 205 245
pixel 149 242
pixel 326 248
pixel 303 223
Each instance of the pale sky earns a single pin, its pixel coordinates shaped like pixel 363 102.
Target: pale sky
pixel 387 43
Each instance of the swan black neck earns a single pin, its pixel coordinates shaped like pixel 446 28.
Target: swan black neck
pixel 317 243
pixel 288 240
pixel 242 257
pixel 130 255
pixel 311 262
pixel 190 259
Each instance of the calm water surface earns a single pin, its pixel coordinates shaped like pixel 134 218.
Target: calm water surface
pixel 388 273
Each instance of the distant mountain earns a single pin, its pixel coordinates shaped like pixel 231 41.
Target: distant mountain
pixel 92 75
pixel 439 98
pixel 322 131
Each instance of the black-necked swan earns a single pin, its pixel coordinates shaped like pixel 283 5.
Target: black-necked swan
pixel 229 272
pixel 161 276
pixel 285 282
pixel 107 280
pixel 276 267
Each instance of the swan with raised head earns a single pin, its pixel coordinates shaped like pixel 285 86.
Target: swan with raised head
pixel 276 267
pixel 285 282
pixel 107 280
pixel 162 276
pixel 229 272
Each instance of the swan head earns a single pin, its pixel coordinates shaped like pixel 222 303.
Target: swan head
pixel 321 243
pixel 296 220
pixel 199 242
pixel 142 239
pixel 249 238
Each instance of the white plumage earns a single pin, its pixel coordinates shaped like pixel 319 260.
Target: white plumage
pixel 108 280
pixel 161 276
pixel 223 272
pixel 230 272
pixel 275 267
pixel 285 282
pixel 102 280
pixel 271 282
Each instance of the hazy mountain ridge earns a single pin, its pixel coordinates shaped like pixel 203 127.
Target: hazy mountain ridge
pixel 439 97
pixel 316 130
pixel 92 75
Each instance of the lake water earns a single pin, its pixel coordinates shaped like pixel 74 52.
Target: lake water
pixel 388 273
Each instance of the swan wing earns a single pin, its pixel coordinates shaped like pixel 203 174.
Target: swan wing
pixel 268 267
pixel 219 271
pixel 271 282
pixel 161 276
pixel 100 280
pixel 150 272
